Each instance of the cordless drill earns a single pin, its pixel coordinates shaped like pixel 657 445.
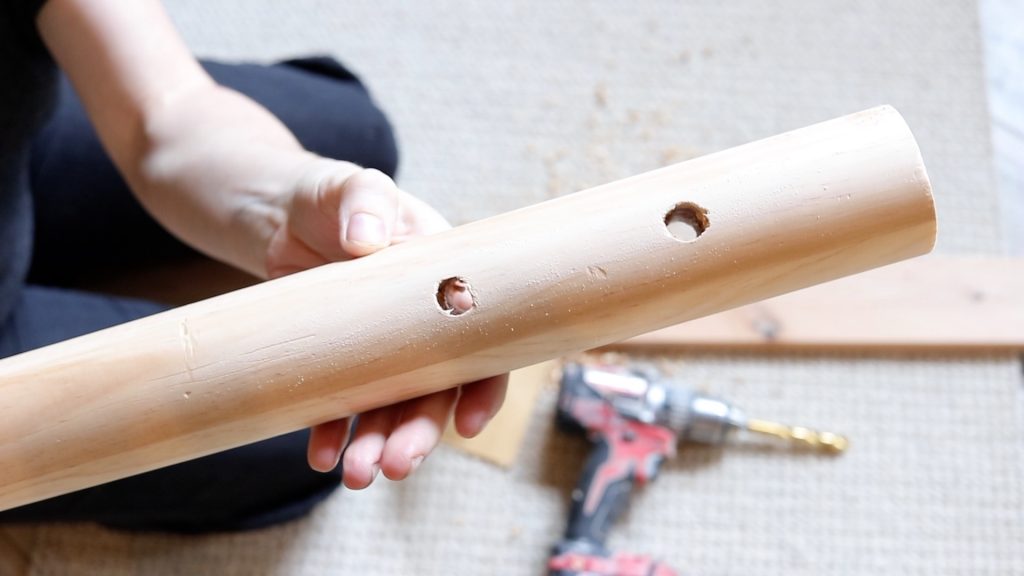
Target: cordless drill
pixel 635 420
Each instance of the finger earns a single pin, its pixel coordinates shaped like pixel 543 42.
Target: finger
pixel 288 254
pixel 479 403
pixel 417 433
pixel 362 457
pixel 325 444
pixel 368 212
pixel 417 218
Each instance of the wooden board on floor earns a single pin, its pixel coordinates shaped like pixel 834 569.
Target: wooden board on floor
pixel 14 555
pixel 929 303
pixel 500 441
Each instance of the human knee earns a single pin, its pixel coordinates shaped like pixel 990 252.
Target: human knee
pixel 348 124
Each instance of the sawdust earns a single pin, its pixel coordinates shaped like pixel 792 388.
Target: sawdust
pixel 601 96
pixel 676 154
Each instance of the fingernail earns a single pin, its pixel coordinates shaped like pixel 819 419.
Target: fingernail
pixel 476 424
pixel 473 427
pixel 415 463
pixel 365 228
pixel 326 455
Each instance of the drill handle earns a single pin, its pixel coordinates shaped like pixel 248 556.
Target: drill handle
pixel 603 491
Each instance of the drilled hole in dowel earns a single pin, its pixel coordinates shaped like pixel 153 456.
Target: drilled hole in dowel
pixel 686 221
pixel 455 296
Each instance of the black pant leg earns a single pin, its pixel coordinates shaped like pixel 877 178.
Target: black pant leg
pixel 322 103
pixel 249 487
pixel 86 219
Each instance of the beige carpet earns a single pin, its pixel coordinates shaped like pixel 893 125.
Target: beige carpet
pixel 501 104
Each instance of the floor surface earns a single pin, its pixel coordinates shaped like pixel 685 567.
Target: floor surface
pixel 503 104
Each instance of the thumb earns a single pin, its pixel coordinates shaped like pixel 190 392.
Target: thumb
pixel 368 212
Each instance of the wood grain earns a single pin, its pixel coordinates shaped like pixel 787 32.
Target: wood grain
pixel 15 557
pixel 932 303
pixel 566 275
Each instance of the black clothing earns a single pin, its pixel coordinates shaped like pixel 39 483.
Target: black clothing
pixel 26 97
pixel 320 101
pixel 86 220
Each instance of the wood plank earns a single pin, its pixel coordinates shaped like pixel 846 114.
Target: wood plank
pixel 15 558
pixel 930 303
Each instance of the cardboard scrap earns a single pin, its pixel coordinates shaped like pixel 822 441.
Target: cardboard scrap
pixel 500 441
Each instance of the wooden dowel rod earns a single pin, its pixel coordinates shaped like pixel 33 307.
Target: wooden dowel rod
pixel 567 275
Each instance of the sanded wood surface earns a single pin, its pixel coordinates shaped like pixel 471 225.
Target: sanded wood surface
pixel 566 275
pixel 931 303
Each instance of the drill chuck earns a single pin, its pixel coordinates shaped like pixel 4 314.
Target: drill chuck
pixel 699 418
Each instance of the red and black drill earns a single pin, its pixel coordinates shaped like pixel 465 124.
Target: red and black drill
pixel 635 420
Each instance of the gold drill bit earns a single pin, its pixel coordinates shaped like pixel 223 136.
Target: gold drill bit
pixel 812 438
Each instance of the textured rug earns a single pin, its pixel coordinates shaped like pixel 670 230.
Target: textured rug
pixel 502 104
